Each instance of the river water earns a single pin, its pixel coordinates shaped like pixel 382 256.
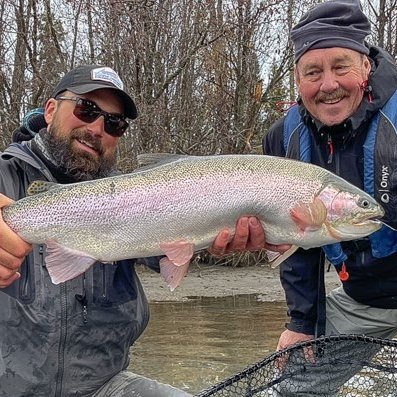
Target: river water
pixel 193 345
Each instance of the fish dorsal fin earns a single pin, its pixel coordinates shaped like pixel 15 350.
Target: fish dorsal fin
pixel 151 160
pixel 37 187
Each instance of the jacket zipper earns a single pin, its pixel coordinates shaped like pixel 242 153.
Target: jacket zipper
pixel 104 288
pixel 82 299
pixel 330 146
pixel 332 155
pixel 105 282
pixel 62 339
pixel 343 273
pixel 85 307
pixel 24 284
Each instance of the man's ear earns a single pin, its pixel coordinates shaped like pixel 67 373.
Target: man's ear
pixel 367 66
pixel 297 77
pixel 49 110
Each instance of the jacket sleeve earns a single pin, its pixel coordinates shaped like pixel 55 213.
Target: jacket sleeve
pixel 299 276
pixel 299 273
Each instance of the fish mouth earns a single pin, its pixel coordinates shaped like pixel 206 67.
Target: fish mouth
pixel 355 230
pixel 369 223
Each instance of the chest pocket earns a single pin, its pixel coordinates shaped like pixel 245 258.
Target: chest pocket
pixel 24 289
pixel 114 284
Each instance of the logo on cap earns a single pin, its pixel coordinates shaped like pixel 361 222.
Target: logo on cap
pixel 107 74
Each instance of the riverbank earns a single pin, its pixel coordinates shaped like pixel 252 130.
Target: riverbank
pixel 219 281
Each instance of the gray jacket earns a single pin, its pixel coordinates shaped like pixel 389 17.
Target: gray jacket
pixel 67 339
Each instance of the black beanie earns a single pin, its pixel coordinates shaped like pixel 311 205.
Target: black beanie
pixel 339 23
pixel 32 123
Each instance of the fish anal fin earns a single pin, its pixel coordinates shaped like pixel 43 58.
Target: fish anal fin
pixel 282 257
pixel 173 274
pixel 64 263
pixel 178 252
pixel 175 265
pixel 309 216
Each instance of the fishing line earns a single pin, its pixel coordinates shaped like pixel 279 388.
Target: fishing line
pixel 385 224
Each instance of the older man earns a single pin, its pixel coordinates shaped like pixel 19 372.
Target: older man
pixel 346 122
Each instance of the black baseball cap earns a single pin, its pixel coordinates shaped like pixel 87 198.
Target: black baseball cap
pixel 88 78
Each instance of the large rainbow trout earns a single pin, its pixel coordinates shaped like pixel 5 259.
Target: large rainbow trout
pixel 178 204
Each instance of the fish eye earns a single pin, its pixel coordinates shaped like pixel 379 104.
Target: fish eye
pixel 364 203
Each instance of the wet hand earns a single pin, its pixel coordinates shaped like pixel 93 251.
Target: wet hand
pixel 12 250
pixel 289 338
pixel 249 236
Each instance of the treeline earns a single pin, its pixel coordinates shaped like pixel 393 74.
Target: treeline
pixel 208 76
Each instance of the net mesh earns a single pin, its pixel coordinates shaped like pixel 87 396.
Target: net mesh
pixel 344 365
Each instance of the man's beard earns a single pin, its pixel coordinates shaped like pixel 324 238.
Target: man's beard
pixel 78 164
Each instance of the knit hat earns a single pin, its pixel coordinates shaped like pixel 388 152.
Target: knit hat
pixel 339 23
pixel 84 79
pixel 32 123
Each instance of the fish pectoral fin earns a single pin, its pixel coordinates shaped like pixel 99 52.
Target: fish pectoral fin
pixel 309 216
pixel 282 257
pixel 173 274
pixel 64 263
pixel 37 187
pixel 178 252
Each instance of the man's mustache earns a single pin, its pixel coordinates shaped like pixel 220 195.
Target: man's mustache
pixel 338 94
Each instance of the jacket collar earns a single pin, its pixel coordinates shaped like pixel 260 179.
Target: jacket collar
pixel 23 152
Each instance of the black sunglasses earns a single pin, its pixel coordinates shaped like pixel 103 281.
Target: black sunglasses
pixel 88 111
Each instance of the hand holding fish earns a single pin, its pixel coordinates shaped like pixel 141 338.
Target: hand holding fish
pixel 249 236
pixel 12 250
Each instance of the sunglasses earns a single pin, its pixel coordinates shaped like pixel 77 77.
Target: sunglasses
pixel 88 111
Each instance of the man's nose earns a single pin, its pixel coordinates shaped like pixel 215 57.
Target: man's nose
pixel 97 127
pixel 329 82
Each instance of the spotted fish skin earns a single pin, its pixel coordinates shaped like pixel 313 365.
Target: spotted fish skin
pixel 178 204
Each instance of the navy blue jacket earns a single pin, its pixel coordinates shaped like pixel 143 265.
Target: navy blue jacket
pixel 372 281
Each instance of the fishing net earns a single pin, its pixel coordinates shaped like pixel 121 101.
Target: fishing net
pixel 334 366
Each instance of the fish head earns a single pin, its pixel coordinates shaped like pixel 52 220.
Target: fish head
pixel 351 213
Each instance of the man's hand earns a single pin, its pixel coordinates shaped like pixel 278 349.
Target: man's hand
pixel 12 250
pixel 289 338
pixel 249 236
